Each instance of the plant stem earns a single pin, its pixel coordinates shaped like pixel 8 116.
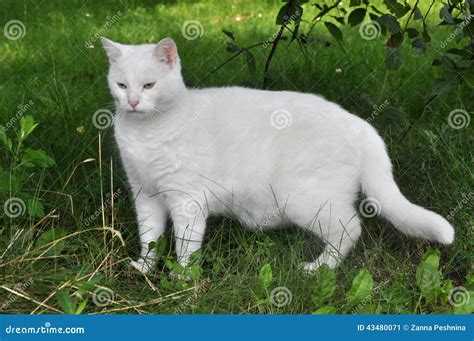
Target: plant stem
pixel 266 78
pixel 232 58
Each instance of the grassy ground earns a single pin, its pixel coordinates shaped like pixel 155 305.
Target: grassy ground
pixel 66 83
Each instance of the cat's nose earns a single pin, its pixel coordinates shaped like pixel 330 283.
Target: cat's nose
pixel 133 103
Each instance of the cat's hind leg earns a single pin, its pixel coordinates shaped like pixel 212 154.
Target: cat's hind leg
pixel 339 232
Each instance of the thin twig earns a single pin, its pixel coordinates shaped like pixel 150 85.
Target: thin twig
pixel 232 58
pixel 411 14
pixel 270 56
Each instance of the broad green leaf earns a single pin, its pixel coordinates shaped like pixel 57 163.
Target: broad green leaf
pixel 181 284
pixel 35 208
pixel 366 309
pixel 325 310
pixel 417 14
pixel 428 277
pixel 68 305
pixel 288 14
pixel 195 272
pixel 178 268
pixel 446 288
pixel 390 22
pixel 412 32
pixel 281 16
pixel 81 307
pixel 49 236
pixel 355 3
pixel 161 246
pixel 324 285
pixel 445 14
pixel 334 30
pixel 265 276
pixel 361 287
pixel 37 157
pixel 396 8
pixel 85 286
pixel 169 264
pixel 27 125
pixel 356 16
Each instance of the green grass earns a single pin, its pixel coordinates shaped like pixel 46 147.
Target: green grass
pixel 66 81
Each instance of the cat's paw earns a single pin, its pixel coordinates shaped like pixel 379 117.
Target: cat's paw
pixel 182 277
pixel 142 265
pixel 309 267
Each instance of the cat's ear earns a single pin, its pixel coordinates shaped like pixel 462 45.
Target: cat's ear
pixel 112 49
pixel 167 52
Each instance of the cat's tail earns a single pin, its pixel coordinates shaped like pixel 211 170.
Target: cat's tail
pixel 384 196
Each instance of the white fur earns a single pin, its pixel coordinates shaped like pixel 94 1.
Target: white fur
pixel 192 153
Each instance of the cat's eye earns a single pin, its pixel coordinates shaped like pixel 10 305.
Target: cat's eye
pixel 122 86
pixel 149 85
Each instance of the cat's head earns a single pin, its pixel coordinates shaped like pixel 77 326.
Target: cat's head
pixel 144 79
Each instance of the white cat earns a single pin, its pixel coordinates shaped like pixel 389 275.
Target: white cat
pixel 268 158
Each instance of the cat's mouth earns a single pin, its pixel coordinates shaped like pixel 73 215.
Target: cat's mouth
pixel 136 112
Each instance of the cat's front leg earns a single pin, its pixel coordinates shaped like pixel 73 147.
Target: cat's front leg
pixel 189 225
pixel 151 216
